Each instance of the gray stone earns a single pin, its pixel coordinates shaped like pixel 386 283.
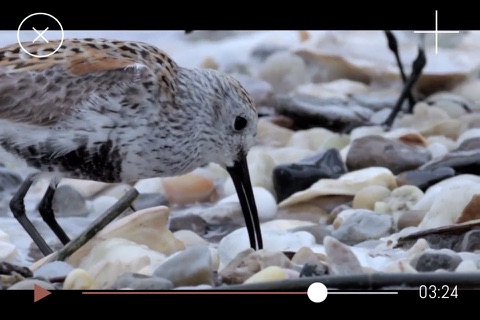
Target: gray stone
pixel 68 202
pixel 470 241
pixel 469 144
pixel 393 154
pixel 190 267
pixel 313 269
pixel 341 259
pixel 431 260
pixel 9 180
pixel 191 222
pixel 318 231
pixel 9 268
pixel 28 284
pixel 55 269
pixel 249 262
pixel 138 281
pixel 149 200
pixel 332 114
pixel 364 225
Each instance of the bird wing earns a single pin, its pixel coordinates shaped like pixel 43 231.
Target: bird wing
pixel 44 91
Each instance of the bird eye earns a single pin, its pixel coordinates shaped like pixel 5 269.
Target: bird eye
pixel 240 123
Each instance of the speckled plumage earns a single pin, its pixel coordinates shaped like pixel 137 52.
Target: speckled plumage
pixel 116 111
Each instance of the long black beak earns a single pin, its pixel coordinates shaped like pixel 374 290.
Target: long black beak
pixel 241 180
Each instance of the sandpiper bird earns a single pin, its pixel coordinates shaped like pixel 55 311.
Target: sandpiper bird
pixel 118 111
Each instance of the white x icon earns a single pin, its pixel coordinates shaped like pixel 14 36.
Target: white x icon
pixel 40 35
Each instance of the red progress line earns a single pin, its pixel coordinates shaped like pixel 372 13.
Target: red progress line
pixel 188 292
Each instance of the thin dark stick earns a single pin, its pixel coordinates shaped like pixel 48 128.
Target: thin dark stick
pixel 417 68
pixel 393 46
pixel 95 227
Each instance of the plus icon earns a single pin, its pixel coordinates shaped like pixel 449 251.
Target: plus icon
pixel 436 32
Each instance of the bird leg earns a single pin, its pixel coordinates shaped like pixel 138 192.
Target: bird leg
pixel 393 46
pixel 417 68
pixel 47 214
pixel 17 206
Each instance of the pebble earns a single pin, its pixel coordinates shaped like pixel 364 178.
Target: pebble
pixel 273 240
pixel 78 279
pixel 293 177
pixel 190 267
pixel 272 273
pixel 348 184
pixel 311 112
pixel 187 189
pixel 68 202
pixel 363 225
pixel 54 269
pixel 393 154
pixel 136 281
pixel 314 269
pixel 191 222
pixel 368 196
pixel 432 260
pixel 149 200
pixel 341 259
pixel 29 284
pixel 284 71
pixel 423 179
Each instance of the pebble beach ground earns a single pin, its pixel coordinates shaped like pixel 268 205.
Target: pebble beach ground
pixel 332 201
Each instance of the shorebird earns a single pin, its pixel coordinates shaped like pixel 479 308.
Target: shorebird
pixel 119 111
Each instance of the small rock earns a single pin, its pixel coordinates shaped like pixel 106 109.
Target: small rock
pixel 149 200
pixel 78 279
pixel 403 198
pixel 341 259
pixel 8 268
pixel 273 240
pixel 423 179
pixel 368 196
pixel 54 269
pixel 28 284
pixel 137 281
pixel 272 273
pixel 432 260
pixel 313 269
pixel 370 151
pixel 191 222
pixel 107 259
pixel 304 255
pixel 467 266
pixel 410 218
pixel 348 184
pixel 318 231
pixel 469 144
pixel 188 188
pixel 249 262
pixel 293 177
pixel 471 241
pixel 68 202
pixel 101 204
pixel 463 162
pixel 190 267
pixel 284 71
pixel 312 112
pixel 9 181
pixel 363 225
pixel 190 238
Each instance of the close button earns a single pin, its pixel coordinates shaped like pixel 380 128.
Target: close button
pixel 39 28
